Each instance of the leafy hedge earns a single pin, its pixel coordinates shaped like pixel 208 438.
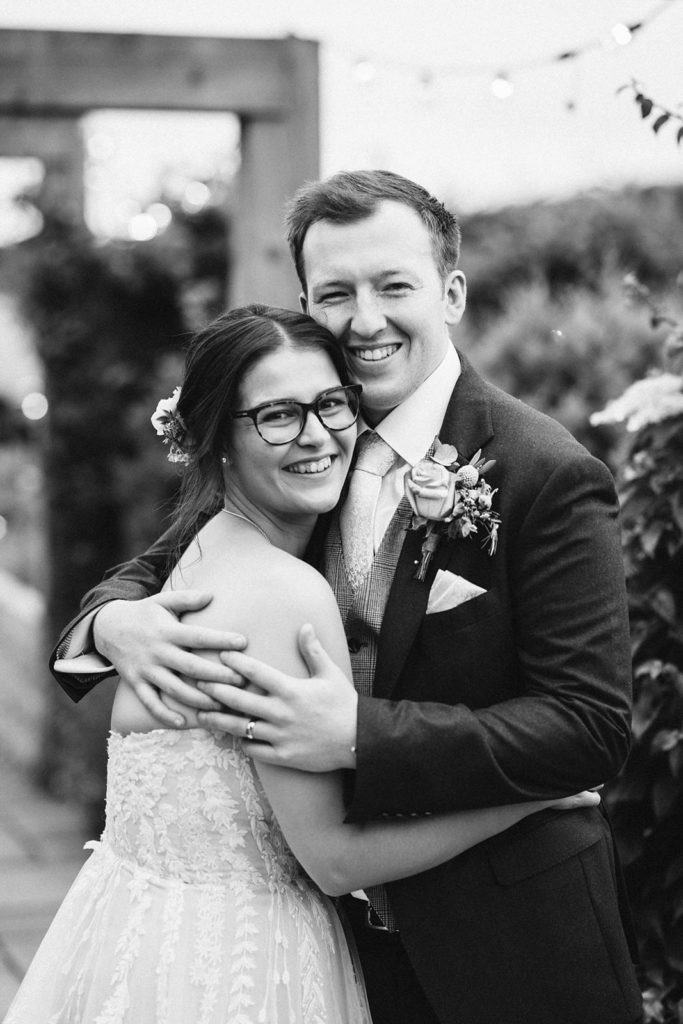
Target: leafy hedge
pixel 109 322
pixel 566 355
pixel 646 801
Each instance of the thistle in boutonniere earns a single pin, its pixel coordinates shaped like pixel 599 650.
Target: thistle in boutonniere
pixel 452 499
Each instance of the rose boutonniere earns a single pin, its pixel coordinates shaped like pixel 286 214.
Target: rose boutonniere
pixel 452 499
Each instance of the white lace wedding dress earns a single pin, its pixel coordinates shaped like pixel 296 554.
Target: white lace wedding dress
pixel 191 909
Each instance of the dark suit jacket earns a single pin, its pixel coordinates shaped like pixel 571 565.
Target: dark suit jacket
pixel 520 693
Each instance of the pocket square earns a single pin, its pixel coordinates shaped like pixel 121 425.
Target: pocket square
pixel 449 590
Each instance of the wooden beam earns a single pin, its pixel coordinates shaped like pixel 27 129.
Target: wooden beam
pixel 46 73
pixel 272 84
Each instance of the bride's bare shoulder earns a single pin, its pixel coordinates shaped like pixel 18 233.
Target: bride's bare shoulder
pixel 299 582
pixel 249 582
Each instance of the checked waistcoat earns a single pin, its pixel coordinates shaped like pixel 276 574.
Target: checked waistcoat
pixel 362 611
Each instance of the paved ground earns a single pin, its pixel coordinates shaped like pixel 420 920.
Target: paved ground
pixel 41 851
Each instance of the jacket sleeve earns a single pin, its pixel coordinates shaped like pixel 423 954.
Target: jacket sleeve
pixel 564 724
pixel 131 581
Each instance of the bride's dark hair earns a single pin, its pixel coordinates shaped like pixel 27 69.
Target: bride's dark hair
pixel 217 361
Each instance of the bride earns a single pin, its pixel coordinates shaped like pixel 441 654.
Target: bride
pixel 204 900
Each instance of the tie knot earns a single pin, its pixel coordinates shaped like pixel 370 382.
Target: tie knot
pixel 374 455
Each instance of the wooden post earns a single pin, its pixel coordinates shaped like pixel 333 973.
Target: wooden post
pixel 278 156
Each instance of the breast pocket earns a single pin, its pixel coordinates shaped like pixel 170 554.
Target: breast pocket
pixel 477 609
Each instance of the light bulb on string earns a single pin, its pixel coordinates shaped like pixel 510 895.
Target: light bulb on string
pixel 621 34
pixel 364 71
pixel 501 87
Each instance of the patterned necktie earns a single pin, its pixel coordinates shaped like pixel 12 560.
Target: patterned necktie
pixel 374 458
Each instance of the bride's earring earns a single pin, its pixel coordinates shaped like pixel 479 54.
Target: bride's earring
pixel 226 461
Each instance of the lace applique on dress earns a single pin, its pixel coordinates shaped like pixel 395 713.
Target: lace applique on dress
pixel 192 907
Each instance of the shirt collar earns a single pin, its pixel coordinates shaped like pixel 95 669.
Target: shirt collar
pixel 411 427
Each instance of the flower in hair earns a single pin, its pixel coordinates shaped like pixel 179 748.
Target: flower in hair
pixel 169 424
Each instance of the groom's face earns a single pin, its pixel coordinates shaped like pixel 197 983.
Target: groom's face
pixel 375 284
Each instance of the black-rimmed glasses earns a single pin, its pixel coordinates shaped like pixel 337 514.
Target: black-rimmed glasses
pixel 283 421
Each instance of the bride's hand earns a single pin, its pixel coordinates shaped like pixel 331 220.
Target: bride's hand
pixel 587 798
pixel 152 651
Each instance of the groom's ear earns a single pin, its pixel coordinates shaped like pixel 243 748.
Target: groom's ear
pixel 303 302
pixel 455 296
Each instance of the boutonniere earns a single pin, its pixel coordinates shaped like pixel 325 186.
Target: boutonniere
pixel 451 499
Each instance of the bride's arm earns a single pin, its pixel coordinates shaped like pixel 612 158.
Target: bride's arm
pixel 341 856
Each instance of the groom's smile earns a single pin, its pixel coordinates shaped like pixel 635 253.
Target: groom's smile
pixel 375 284
pixel 373 355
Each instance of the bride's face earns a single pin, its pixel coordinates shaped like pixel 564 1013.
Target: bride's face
pixel 302 477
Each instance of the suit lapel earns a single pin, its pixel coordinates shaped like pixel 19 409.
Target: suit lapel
pixel 468 426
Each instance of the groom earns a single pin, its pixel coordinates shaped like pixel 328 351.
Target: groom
pixel 515 688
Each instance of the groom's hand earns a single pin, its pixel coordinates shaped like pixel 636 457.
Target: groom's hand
pixel 152 650
pixel 309 724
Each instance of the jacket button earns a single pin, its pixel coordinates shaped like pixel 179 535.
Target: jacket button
pixel 354 644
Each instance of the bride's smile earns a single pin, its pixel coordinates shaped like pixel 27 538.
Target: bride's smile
pixel 273 481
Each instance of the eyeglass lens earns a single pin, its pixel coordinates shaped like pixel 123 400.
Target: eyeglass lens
pixel 283 421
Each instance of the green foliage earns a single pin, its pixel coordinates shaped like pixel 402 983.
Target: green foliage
pixel 576 243
pixel 646 801
pixel 103 317
pixel 565 355
pixel 109 323
pixel 658 114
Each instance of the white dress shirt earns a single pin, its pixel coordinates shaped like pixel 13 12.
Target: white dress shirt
pixel 410 429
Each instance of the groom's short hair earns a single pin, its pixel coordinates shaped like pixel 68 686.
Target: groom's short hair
pixel 353 195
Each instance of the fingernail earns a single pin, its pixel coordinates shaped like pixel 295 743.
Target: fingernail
pixel 179 721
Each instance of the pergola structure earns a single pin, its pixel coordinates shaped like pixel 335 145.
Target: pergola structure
pixel 50 79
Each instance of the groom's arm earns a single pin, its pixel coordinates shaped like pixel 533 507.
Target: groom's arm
pixel 126 628
pixel 131 581
pixel 564 661
pixel 568 725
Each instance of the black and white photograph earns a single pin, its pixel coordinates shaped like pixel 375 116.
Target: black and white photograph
pixel 341 512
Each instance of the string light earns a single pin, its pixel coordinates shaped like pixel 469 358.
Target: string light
pixel 502 88
pixel 364 70
pixel 622 34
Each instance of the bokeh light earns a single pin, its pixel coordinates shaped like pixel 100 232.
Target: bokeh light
pixel 34 406
pixel 142 227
